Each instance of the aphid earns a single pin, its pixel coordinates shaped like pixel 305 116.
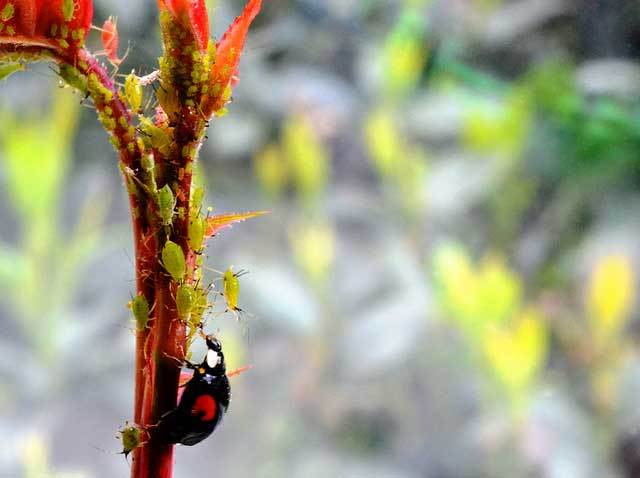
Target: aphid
pixel 111 40
pixel 196 232
pixel 184 301
pixel 68 8
pixel 173 260
pixel 140 308
pixel 8 69
pixel 133 92
pixel 197 195
pixel 231 288
pixel 155 137
pixel 149 166
pixel 7 12
pixel 131 438
pixel 74 78
pixel 166 204
pixel 199 306
pixel 203 403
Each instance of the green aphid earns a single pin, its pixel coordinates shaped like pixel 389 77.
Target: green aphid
pixel 174 261
pixel 133 92
pixel 199 307
pixel 149 166
pixel 7 12
pixel 184 301
pixel 131 438
pixel 196 198
pixel 74 78
pixel 68 7
pixel 196 233
pixel 8 69
pixel 140 309
pixel 155 137
pixel 166 204
pixel 231 288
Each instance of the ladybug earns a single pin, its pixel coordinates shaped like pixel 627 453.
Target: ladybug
pixel 204 401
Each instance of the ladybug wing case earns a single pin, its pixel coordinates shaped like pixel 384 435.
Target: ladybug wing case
pixel 203 403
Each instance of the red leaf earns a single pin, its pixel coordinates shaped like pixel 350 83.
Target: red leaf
pixel 228 51
pixel 221 221
pixel 191 14
pixel 59 25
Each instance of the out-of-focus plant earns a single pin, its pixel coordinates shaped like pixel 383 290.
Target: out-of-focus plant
pixel 484 300
pixel 35 460
pixel 307 158
pixel 401 166
pixel 301 161
pixel 609 298
pixel 405 53
pixel 36 155
pixel 500 127
pixel 157 150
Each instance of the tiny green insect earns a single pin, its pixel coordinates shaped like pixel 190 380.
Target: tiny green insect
pixel 166 204
pixel 68 7
pixel 184 301
pixel 231 288
pixel 133 92
pixel 199 307
pixel 196 233
pixel 7 12
pixel 140 309
pixel 131 438
pixel 154 136
pixel 73 78
pixel 196 198
pixel 148 163
pixel 173 260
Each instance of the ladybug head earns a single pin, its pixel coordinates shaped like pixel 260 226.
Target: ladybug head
pixel 215 358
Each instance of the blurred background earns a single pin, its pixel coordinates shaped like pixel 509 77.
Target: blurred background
pixel 446 284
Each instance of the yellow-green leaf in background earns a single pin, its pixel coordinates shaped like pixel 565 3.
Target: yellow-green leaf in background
pixel 406 51
pixel 516 353
pixel 456 281
pixel 313 246
pixel 611 296
pixel 499 289
pixel 383 141
pixel 499 126
pixel 270 167
pixel 308 159
pixel 401 165
pixel 36 157
pixel 476 297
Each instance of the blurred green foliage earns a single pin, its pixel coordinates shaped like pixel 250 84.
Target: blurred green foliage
pixel 486 302
pixel 41 273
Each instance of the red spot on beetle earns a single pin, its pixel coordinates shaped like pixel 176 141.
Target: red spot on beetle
pixel 205 406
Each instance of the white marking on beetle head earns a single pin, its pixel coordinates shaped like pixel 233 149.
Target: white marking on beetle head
pixel 213 358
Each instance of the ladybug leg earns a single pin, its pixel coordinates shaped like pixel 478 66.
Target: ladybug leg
pixel 183 363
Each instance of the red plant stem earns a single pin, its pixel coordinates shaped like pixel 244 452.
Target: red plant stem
pixel 156 375
pixel 169 338
pixel 160 345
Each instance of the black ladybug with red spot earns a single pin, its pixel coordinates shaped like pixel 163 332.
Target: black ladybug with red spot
pixel 204 401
